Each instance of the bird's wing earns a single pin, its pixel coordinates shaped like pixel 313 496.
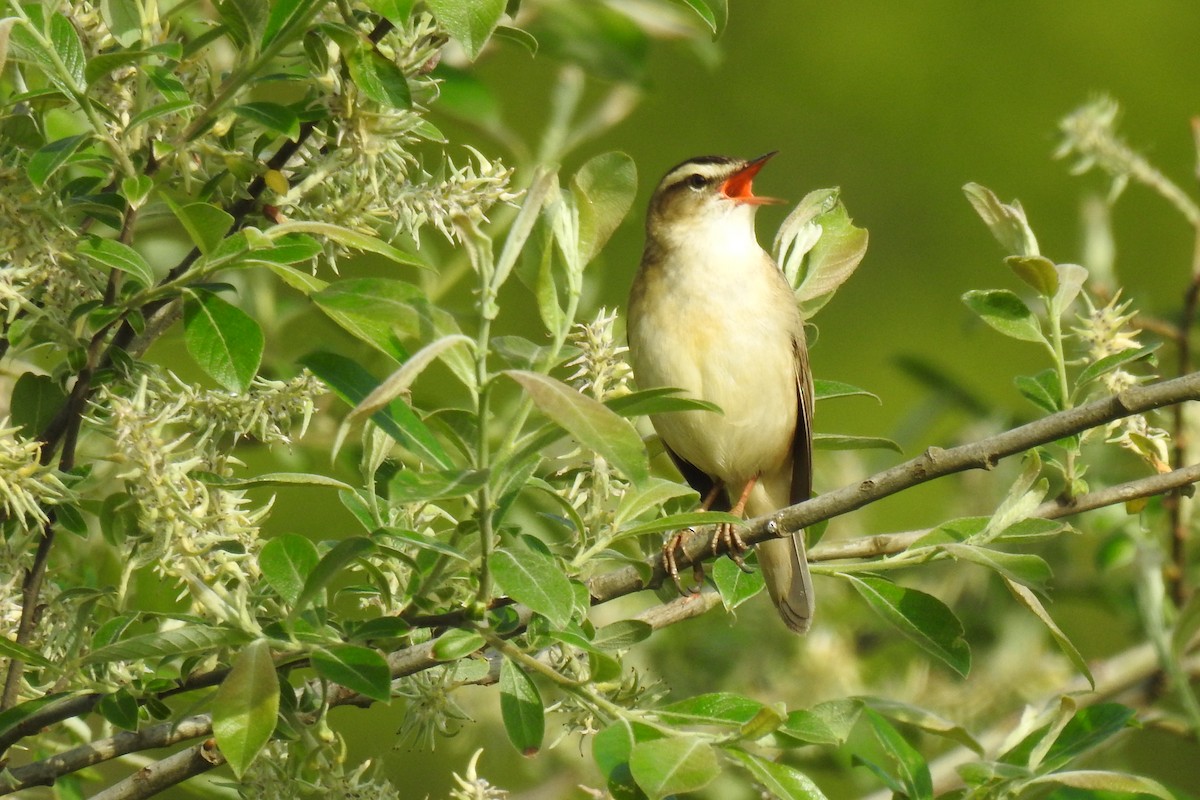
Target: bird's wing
pixel 802 439
pixel 699 480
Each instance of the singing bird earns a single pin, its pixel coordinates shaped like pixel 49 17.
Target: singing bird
pixel 712 314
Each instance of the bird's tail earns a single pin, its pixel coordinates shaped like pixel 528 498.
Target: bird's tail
pixel 783 560
pixel 785 570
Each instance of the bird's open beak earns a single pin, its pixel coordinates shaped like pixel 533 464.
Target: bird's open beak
pixel 737 187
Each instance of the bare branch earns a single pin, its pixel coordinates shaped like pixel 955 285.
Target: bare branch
pixel 46 771
pixel 153 778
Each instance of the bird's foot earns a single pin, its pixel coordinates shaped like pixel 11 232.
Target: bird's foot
pixel 727 536
pixel 673 546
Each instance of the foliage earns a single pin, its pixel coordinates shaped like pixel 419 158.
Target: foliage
pixel 492 483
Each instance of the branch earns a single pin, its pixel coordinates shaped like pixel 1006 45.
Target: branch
pixel 933 463
pixel 883 544
pixel 153 778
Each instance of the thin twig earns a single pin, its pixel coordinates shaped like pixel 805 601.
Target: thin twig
pixel 882 544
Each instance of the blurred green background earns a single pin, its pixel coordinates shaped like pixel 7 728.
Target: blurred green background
pixel 899 104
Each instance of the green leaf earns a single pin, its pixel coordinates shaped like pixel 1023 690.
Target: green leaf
pixel 351 382
pixel 518 35
pixel 1037 272
pixel 919 616
pixel 1103 781
pixel 1023 568
pixel 1088 728
pixel 245 707
pixel 125 20
pixel 716 708
pixel 181 641
pixel 1043 390
pixel 648 497
pixel 69 49
pixel 379 78
pixel 284 14
pixel 1111 362
pixel 1028 599
pixel 396 11
pixel 1007 313
pixel 272 117
pixel 674 765
pixel 158 110
pixel 910 766
pixel 273 479
pixel 12 718
pixel 36 399
pixel 415 539
pixel 1055 745
pixel 828 390
pixel 50 157
pixel 1071 278
pixel 399 382
pixel 471 22
pixel 16 650
pixel 455 644
pixel 833 258
pixel 1006 222
pixel 588 421
pixel 713 13
pixel 603 190
pixel 347 237
pixel 286 562
pixel 677 522
pixel 533 578
pixel 340 556
pixel 621 635
pixel 120 708
pixel 205 224
pixel 101 66
pixel 245 19
pixel 735 585
pixel 826 723
pixel 521 709
pixel 359 669
pixel 136 189
pixel 410 486
pixel 838 441
pixel 925 720
pixel 611 747
pixel 657 401
pixel 780 780
pixel 376 310
pixel 224 341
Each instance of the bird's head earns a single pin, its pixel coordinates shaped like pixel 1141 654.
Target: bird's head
pixel 706 191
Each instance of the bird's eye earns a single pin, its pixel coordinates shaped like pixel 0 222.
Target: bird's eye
pixel 696 181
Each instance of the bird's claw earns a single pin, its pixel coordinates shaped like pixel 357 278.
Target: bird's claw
pixel 728 536
pixel 673 545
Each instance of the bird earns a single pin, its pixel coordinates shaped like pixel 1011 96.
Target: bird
pixel 710 313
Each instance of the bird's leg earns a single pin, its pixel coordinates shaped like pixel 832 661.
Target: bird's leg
pixel 675 543
pixel 727 533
